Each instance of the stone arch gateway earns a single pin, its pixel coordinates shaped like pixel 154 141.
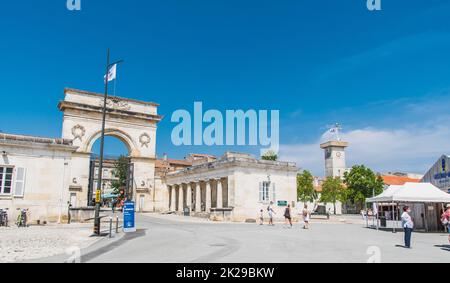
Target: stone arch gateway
pixel 131 121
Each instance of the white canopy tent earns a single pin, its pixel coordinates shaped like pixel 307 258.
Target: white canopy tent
pixel 424 193
pixel 412 192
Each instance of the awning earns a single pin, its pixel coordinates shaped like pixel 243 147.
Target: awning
pixel 109 196
pixel 412 192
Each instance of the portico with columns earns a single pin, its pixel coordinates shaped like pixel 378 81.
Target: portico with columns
pixel 235 187
pixel 199 195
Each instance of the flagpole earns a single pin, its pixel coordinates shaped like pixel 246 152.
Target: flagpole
pixel 98 197
pixel 98 193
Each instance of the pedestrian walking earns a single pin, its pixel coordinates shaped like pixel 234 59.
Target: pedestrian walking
pixel 271 214
pixel 113 205
pixel 261 217
pixel 446 220
pixel 306 216
pixel 408 226
pixel 363 214
pixel 287 216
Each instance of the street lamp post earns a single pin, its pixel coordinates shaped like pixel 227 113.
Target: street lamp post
pixel 98 197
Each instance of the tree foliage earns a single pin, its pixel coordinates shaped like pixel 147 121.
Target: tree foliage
pixel 362 183
pixel 120 172
pixel 305 187
pixel 333 191
pixel 270 155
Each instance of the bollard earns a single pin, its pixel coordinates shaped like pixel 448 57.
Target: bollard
pixel 117 224
pixel 110 226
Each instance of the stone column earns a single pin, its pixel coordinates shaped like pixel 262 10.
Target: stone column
pixel 189 196
pixel 198 198
pixel 219 194
pixel 230 193
pixel 208 196
pixel 180 198
pixel 173 198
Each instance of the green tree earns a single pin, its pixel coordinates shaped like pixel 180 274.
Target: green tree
pixel 120 172
pixel 362 183
pixel 332 191
pixel 270 155
pixel 305 187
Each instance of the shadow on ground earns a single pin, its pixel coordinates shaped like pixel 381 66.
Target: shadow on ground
pixel 128 237
pixel 443 247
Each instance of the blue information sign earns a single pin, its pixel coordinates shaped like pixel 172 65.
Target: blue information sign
pixel 128 217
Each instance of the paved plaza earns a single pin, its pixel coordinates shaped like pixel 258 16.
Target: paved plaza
pixel 34 242
pixel 184 240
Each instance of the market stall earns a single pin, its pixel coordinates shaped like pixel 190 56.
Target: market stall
pixel 425 200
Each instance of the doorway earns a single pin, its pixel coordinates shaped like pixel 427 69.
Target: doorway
pixel 141 203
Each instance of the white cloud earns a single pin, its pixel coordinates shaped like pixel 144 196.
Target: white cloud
pixel 409 149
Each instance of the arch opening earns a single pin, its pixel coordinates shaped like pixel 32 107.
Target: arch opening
pixel 114 133
pixel 117 169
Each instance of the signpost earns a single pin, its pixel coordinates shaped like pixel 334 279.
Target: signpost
pixel 128 217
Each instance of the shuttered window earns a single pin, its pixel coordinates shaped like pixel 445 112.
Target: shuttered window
pixel 6 176
pixel 261 192
pixel 19 184
pixel 274 193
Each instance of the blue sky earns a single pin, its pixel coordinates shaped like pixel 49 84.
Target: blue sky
pixel 384 75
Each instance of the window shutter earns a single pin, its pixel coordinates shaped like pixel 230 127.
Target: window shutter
pixel 261 192
pixel 19 185
pixel 274 193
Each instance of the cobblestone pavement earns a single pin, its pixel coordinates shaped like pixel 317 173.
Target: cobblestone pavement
pixel 35 242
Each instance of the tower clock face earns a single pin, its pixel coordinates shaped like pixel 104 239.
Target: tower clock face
pixel 338 154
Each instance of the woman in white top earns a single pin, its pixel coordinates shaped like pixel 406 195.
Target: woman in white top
pixel 306 216
pixel 271 213
pixel 408 226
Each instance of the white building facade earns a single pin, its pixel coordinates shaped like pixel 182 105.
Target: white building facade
pixel 235 188
pixel 34 175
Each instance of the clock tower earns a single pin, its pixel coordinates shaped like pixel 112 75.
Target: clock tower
pixel 335 165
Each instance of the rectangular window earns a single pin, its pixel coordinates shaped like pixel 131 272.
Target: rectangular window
pixel 6 174
pixel 264 191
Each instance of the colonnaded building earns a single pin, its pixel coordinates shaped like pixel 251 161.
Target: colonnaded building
pixel 44 175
